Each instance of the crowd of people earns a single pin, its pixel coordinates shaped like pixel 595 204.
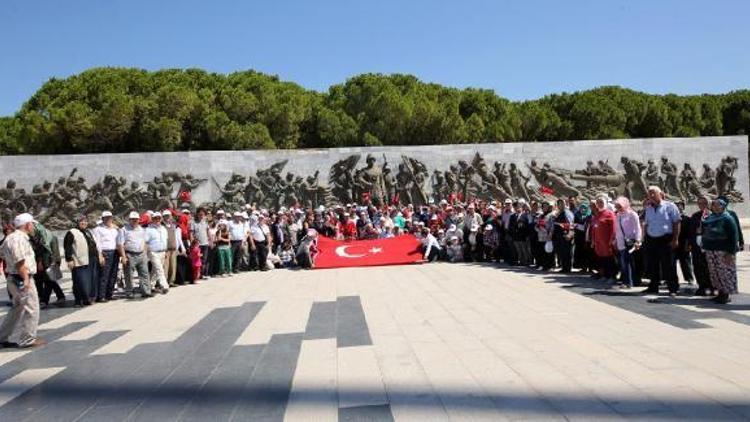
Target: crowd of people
pixel 610 239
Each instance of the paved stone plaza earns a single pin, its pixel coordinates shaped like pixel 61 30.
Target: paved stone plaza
pixel 425 342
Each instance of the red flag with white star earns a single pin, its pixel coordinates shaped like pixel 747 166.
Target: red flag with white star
pixel 362 253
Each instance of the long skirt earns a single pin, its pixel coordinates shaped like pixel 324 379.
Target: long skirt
pixel 82 282
pixel 722 268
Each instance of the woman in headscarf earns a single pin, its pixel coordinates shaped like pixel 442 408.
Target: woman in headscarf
pixel 308 249
pixel 720 240
pixel 582 253
pixel 603 238
pixel 628 238
pixel 81 255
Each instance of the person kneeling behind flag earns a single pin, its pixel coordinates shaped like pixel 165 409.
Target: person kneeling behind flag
pixel 430 245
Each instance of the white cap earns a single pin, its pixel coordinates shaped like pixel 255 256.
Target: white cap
pixel 488 227
pixel 244 215
pixel 106 214
pixel 508 201
pixel 434 217
pixel 150 213
pixel 156 214
pixel 185 211
pixel 22 219
pixel 443 202
pixel 166 212
pixel 219 212
pixel 134 215
pixel 237 214
pixel 346 214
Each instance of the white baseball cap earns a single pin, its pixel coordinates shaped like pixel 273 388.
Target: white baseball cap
pixel 237 214
pixel 166 212
pixel 219 212
pixel 106 214
pixel 156 214
pixel 134 216
pixel 23 219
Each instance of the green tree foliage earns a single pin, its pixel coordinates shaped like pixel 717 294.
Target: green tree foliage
pixel 128 110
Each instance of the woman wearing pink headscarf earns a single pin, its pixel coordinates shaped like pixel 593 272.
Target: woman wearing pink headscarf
pixel 628 238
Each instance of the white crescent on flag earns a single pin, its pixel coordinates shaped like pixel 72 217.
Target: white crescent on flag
pixel 341 251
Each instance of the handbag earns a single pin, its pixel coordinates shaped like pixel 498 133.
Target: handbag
pixel 53 272
pixel 629 243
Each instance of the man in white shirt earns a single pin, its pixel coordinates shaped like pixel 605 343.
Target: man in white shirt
pixel 237 235
pixel 19 257
pixel 259 240
pixel 131 242
pixel 431 246
pixel 156 244
pixel 105 236
pixel 174 247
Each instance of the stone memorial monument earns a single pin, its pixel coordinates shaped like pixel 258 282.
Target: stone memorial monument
pixel 56 188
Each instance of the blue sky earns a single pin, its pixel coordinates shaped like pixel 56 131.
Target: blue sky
pixel 521 49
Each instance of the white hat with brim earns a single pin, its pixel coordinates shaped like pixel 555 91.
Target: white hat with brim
pixel 23 219
pixel 166 212
pixel 134 216
pixel 106 214
pixel 157 214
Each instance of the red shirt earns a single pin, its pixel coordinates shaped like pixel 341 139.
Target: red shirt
pixel 603 233
pixel 348 229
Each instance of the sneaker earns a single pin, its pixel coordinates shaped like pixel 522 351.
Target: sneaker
pixel 36 343
pixel 206 277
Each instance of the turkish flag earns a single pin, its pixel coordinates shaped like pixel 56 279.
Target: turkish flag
pixel 546 190
pixel 398 250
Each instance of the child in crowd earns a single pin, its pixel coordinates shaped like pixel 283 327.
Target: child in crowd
pixel 195 260
pixel 455 250
pixel 286 254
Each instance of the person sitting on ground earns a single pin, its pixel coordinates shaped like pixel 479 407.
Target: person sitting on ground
pixel 455 250
pixel 286 254
pixel 430 246
pixel 308 250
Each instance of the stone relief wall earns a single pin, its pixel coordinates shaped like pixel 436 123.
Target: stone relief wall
pixel 56 188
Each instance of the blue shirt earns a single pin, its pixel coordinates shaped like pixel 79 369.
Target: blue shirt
pixel 156 238
pixel 659 219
